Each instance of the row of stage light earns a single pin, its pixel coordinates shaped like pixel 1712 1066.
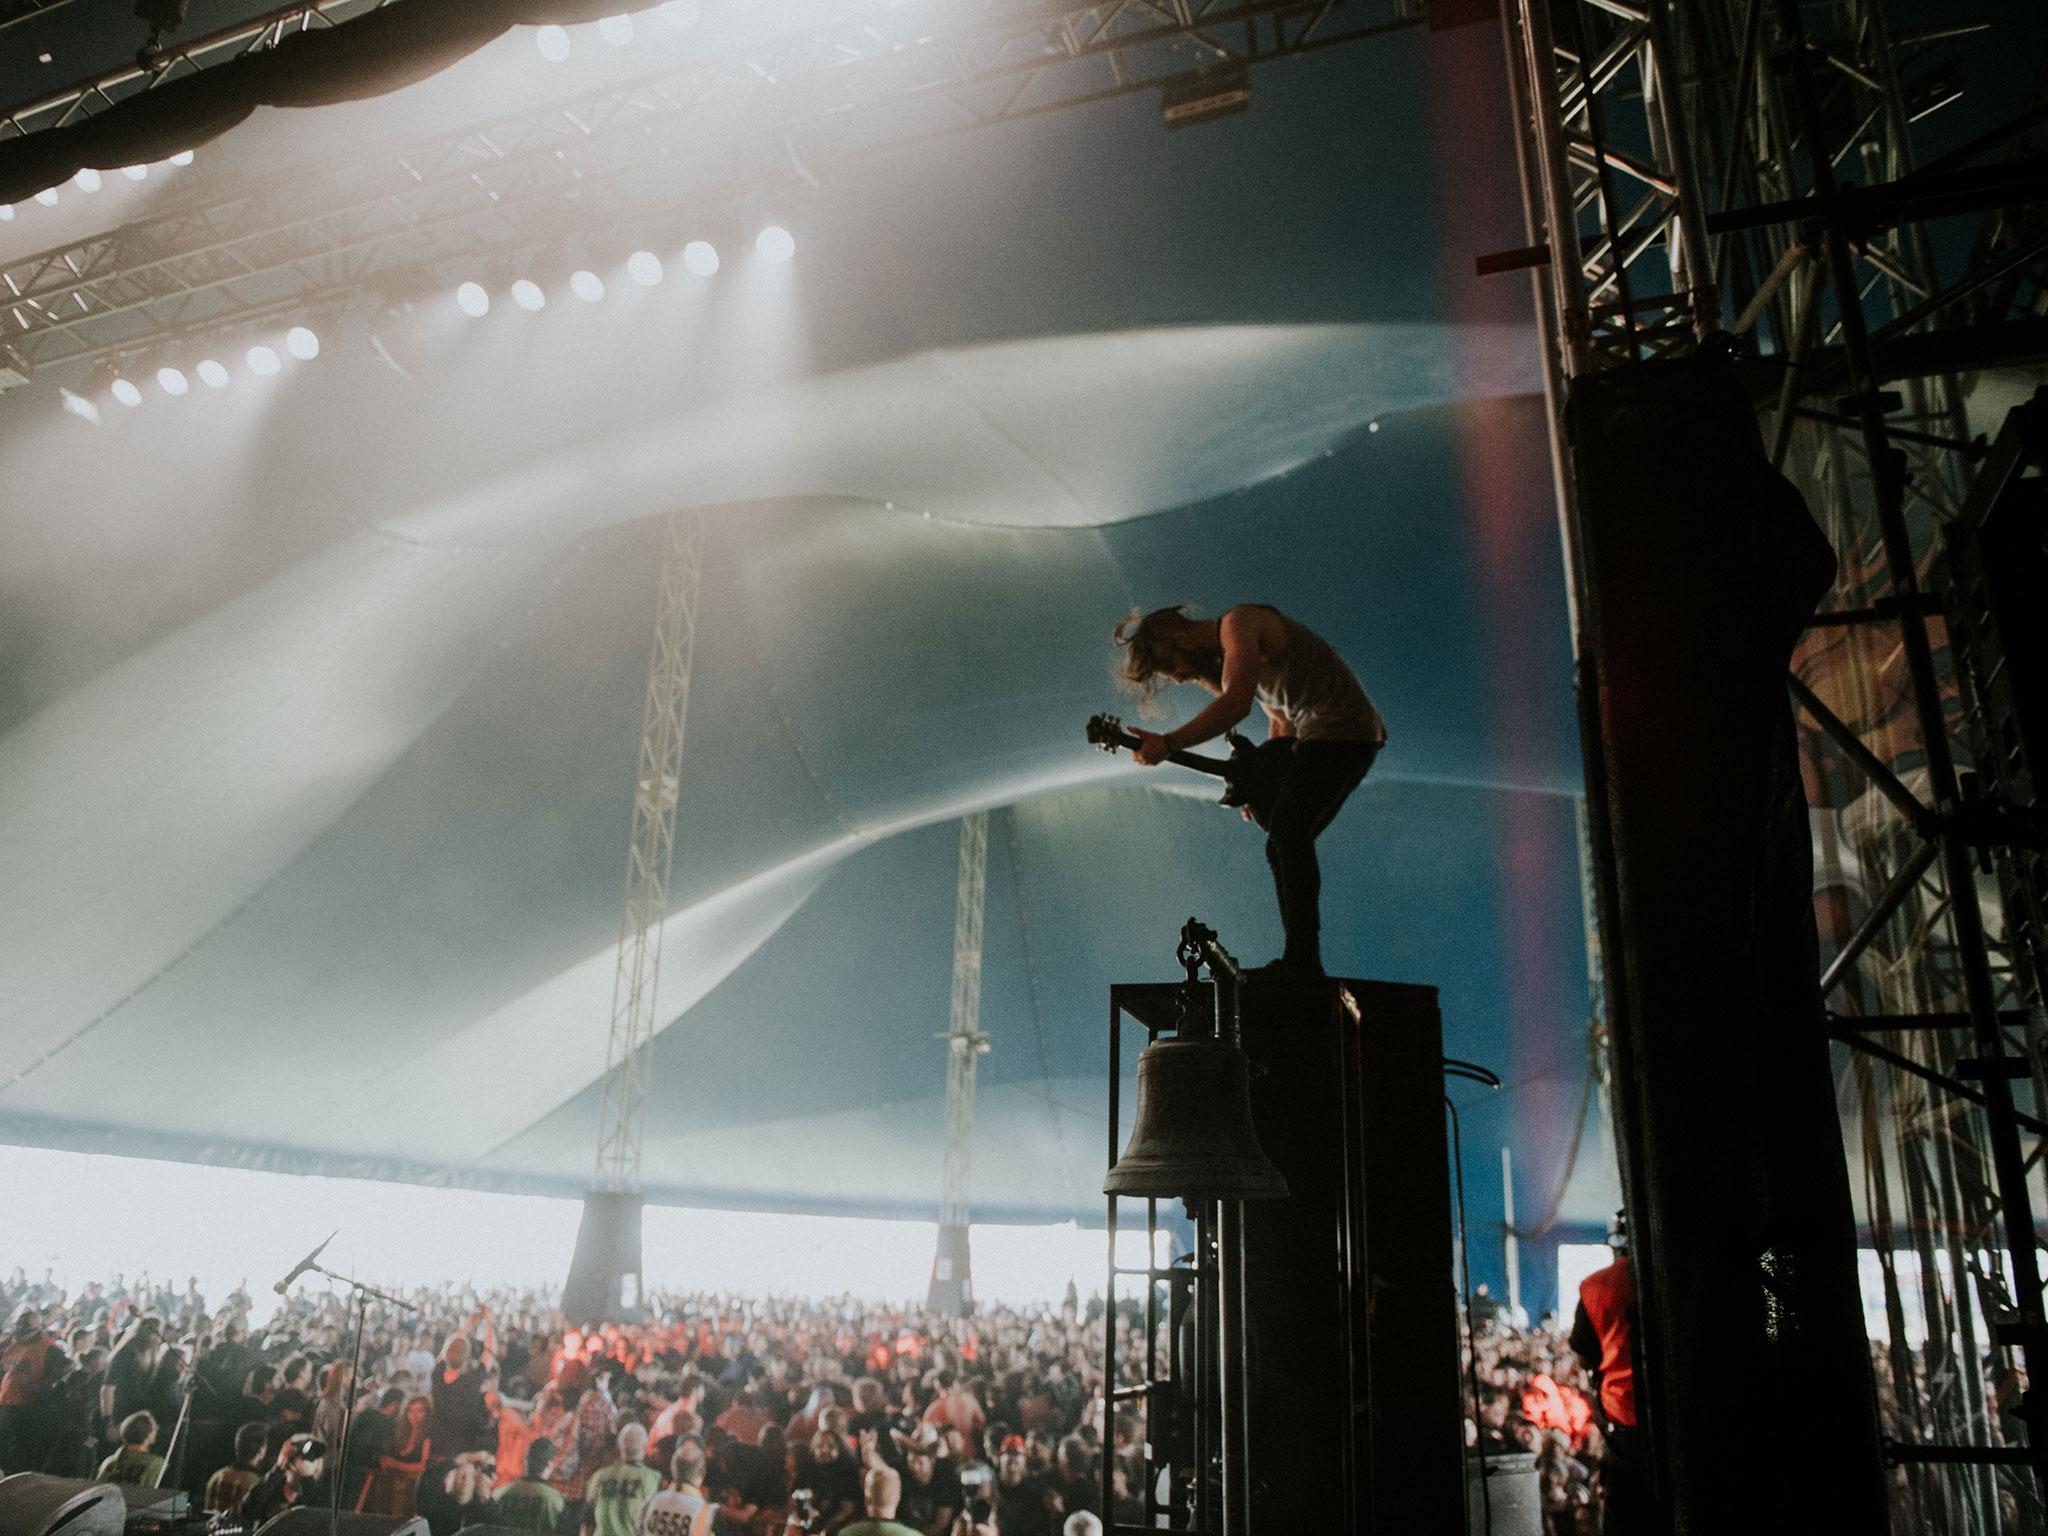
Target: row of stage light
pixel 300 342
pixel 90 180
pixel 644 268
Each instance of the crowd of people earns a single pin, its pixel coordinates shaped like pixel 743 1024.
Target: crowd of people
pixel 728 1415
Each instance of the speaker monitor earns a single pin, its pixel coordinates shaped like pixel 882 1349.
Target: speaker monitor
pixel 1355 1420
pixel 312 1520
pixel 32 1504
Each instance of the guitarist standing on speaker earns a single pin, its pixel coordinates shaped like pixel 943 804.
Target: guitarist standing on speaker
pixel 1256 654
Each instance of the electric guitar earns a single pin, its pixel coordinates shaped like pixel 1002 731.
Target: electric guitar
pixel 1251 775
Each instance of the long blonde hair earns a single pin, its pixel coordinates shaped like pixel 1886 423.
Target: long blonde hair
pixel 1143 639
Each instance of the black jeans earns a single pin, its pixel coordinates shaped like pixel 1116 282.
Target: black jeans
pixel 1320 778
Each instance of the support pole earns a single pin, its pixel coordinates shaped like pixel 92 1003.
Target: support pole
pixel 952 1282
pixel 604 1276
pixel 1511 1246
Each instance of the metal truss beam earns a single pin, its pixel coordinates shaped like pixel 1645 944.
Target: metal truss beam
pixel 656 785
pixel 155 67
pixel 1745 169
pixel 877 76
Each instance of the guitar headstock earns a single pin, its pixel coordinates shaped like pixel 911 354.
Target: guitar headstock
pixel 1106 732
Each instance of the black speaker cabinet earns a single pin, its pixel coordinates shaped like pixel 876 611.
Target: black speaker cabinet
pixel 1356 1425
pixel 311 1520
pixel 34 1505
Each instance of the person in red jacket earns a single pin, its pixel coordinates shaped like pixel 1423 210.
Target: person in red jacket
pixel 1604 1338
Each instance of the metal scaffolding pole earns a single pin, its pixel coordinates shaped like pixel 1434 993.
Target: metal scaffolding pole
pixel 649 857
pixel 1747 167
pixel 952 1284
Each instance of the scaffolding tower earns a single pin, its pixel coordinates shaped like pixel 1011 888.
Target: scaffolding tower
pixel 1745 170
pixel 952 1284
pixel 605 1276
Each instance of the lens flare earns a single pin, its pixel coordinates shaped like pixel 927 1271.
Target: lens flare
pixel 124 390
pixel 171 381
pixel 775 243
pixel 473 301
pixel 212 374
pixel 701 257
pixel 527 295
pixel 644 267
pixel 302 343
pixel 263 362
pixel 587 286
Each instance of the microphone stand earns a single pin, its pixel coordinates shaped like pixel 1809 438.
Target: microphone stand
pixel 359 1298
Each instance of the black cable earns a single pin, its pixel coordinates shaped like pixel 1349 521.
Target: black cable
pixel 1471 1341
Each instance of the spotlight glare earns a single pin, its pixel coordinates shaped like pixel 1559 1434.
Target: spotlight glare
pixel 527 295
pixel 171 381
pixel 616 30
pixel 182 157
pixel 587 286
pixel 701 257
pixel 88 179
pixel 47 197
pixel 473 301
pixel 302 343
pixel 775 243
pixel 263 362
pixel 212 374
pixel 644 267
pixel 80 407
pixel 124 390
pixel 553 42
pixel 135 172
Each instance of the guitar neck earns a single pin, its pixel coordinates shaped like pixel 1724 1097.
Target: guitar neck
pixel 1194 760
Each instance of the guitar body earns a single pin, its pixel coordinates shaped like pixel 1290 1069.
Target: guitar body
pixel 1254 773
pixel 1251 775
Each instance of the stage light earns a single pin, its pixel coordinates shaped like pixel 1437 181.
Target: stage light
pixel 701 257
pixel 681 14
pixel 587 286
pixel 88 179
pixel 182 157
pixel 171 381
pixel 553 43
pixel 644 267
pixel 775 243
pixel 47 197
pixel 212 374
pixel 80 407
pixel 124 390
pixel 616 30
pixel 135 172
pixel 473 300
pixel 263 362
pixel 6 212
pixel 302 343
pixel 527 295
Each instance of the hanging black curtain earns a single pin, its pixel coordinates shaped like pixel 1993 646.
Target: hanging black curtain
pixel 374 54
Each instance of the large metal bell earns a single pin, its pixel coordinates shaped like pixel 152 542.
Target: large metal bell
pixel 1192 1137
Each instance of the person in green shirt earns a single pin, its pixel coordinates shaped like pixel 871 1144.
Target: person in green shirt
pixel 613 1496
pixel 528 1503
pixel 134 1462
pixel 881 1491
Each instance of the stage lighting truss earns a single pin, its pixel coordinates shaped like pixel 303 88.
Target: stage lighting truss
pixel 1672 193
pixel 876 75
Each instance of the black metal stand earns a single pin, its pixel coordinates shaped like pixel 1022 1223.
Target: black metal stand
pixel 359 1298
